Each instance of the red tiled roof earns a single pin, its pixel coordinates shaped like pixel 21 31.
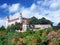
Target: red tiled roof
pixel 13 20
pixel 25 18
pixel 17 19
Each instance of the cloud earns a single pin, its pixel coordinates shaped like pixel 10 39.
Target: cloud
pixel 48 9
pixel 2 22
pixel 14 8
pixel 33 6
pixel 55 6
pixel 4 5
pixel 53 10
pixel 15 15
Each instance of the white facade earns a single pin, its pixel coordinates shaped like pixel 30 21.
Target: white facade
pixel 43 26
pixel 20 19
pixel 12 21
pixel 25 25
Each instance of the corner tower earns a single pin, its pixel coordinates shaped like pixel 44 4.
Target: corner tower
pixel 20 18
pixel 7 21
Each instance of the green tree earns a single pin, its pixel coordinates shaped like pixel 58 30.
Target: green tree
pixel 58 26
pixel 18 26
pixel 33 20
pixel 45 21
pixel 2 28
pixel 11 28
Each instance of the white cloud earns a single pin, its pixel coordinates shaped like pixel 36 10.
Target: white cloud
pixel 14 7
pixel 55 6
pixel 39 2
pixel 55 16
pixel 14 15
pixel 4 5
pixel 2 22
pixel 33 6
pixel 26 13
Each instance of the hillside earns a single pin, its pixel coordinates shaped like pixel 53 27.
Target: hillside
pixel 38 37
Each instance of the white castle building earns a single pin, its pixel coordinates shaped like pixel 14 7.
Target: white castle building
pixel 19 19
pixel 25 24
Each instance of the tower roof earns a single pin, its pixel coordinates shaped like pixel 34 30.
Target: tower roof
pixel 20 13
pixel 8 17
pixel 25 18
pixel 13 20
pixel 17 19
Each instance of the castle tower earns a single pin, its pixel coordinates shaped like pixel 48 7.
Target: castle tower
pixel 25 25
pixel 20 18
pixel 7 21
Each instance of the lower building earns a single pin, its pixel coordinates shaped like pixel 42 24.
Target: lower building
pixel 43 26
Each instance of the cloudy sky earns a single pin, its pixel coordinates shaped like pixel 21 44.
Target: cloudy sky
pixel 49 9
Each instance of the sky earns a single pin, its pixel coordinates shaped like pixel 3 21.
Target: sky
pixel 50 9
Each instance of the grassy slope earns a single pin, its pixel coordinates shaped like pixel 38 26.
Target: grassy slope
pixel 29 37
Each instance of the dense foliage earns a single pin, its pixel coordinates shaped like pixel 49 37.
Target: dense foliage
pixel 2 28
pixel 16 26
pixel 34 20
pixel 57 27
pixel 37 37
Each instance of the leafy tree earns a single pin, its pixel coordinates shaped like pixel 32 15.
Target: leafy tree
pixel 58 26
pixel 45 21
pixel 13 27
pixel 2 28
pixel 18 26
pixel 33 20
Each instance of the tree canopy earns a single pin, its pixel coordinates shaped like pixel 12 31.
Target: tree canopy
pixel 34 20
pixel 2 28
pixel 58 26
pixel 16 26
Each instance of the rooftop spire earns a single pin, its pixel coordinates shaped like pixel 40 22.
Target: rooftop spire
pixel 20 13
pixel 8 17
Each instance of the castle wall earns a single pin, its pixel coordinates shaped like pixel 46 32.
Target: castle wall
pixel 43 26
